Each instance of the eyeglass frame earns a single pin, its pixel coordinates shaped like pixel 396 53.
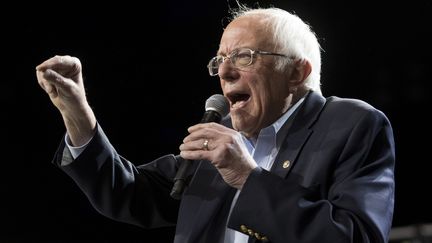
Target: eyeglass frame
pixel 235 52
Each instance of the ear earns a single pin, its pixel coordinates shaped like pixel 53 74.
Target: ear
pixel 302 69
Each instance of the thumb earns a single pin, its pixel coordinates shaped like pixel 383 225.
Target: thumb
pixel 58 80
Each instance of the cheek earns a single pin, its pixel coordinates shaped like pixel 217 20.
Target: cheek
pixel 261 94
pixel 222 84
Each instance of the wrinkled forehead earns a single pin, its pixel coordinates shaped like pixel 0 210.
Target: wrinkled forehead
pixel 251 31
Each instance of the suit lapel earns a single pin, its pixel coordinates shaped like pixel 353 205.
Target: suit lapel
pixel 299 129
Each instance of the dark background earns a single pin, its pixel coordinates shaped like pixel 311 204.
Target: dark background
pixel 144 61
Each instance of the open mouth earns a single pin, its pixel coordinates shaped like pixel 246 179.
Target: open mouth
pixel 238 100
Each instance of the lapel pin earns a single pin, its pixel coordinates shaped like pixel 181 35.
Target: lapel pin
pixel 286 164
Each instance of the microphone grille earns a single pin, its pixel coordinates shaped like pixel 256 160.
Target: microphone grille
pixel 218 103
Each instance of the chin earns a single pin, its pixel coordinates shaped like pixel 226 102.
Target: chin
pixel 237 123
pixel 241 125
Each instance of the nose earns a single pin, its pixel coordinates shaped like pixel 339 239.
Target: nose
pixel 228 72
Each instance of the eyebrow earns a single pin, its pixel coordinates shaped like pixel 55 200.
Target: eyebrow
pixel 221 53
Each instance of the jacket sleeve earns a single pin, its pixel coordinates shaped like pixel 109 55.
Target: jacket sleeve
pixel 120 190
pixel 354 203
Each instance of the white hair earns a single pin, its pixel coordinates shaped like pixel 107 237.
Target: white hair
pixel 292 37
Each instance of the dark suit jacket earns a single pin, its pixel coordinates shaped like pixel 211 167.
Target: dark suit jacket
pixel 332 181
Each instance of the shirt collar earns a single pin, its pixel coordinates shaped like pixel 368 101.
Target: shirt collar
pixel 274 128
pixel 279 123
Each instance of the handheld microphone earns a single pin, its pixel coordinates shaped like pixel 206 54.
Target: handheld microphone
pixel 216 107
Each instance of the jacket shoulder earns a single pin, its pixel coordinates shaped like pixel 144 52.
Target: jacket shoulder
pixel 353 107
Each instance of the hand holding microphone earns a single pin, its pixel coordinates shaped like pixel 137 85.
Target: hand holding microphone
pixel 223 147
pixel 216 108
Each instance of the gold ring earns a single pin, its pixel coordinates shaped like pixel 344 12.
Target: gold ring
pixel 205 145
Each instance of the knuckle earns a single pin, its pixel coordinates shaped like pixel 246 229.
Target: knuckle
pixel 206 131
pixel 76 64
pixel 230 139
pixel 75 60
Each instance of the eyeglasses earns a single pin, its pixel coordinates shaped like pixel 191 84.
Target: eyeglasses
pixel 242 57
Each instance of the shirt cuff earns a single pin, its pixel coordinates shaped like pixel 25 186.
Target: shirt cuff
pixel 75 151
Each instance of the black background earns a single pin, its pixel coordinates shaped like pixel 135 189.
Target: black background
pixel 146 61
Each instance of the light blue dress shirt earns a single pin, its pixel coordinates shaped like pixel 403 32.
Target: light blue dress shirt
pixel 263 150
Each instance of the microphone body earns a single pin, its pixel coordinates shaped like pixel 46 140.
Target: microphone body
pixel 216 108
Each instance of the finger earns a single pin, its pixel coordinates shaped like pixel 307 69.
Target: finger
pixel 208 130
pixel 200 144
pixel 50 63
pixel 62 64
pixel 204 132
pixel 196 155
pixel 54 62
pixel 54 78
pixel 49 88
pixel 199 126
pixel 199 136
